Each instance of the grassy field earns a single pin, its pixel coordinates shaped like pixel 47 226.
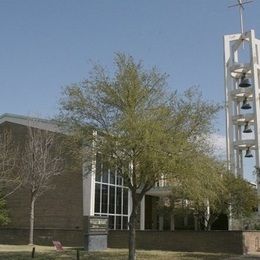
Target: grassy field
pixel 13 252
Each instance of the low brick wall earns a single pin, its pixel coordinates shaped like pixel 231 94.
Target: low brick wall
pixel 188 241
pixel 251 242
pixel 233 242
pixel 68 237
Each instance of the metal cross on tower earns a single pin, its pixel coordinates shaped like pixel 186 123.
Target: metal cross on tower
pixel 241 4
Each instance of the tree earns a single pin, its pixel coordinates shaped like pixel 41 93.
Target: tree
pixel 9 175
pixel 40 162
pixel 238 199
pixel 218 191
pixel 10 179
pixel 200 185
pixel 241 195
pixel 146 130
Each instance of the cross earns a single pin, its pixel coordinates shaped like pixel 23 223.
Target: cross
pixel 241 4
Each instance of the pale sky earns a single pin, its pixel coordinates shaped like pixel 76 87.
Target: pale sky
pixel 48 44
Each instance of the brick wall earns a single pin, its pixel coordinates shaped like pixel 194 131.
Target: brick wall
pixel 68 237
pixel 188 241
pixel 251 242
pixel 232 242
pixel 59 208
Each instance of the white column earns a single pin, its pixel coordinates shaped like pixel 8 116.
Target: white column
pixel 255 46
pixel 207 213
pixel 88 190
pixel 130 204
pixel 88 179
pixel 142 214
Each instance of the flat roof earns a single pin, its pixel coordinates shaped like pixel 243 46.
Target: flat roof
pixel 44 124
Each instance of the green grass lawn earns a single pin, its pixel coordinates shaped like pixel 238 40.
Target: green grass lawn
pixel 15 252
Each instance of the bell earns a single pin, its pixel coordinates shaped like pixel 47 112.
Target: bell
pixel 247 129
pixel 248 153
pixel 244 83
pixel 245 104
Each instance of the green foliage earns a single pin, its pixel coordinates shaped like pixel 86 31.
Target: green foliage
pixel 141 122
pixel 209 184
pixel 144 130
pixel 70 151
pixel 241 195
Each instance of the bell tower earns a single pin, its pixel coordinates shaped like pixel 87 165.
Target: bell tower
pixel 242 89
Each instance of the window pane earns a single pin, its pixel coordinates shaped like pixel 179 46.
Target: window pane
pixel 119 180
pixel 125 223
pixel 118 222
pixel 118 200
pixel 112 177
pixel 112 199
pixel 97 198
pixel 98 167
pixel 111 224
pixel 125 202
pixel 105 173
pixel 104 198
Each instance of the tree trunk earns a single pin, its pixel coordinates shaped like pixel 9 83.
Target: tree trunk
pixel 132 236
pixel 31 221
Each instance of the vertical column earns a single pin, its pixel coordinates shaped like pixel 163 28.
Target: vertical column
pixel 228 105
pixel 88 192
pixel 89 172
pixel 254 48
pixel 236 111
pixel 129 204
pixel 207 214
pixel 142 214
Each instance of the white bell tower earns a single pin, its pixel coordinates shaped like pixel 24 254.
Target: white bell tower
pixel 242 89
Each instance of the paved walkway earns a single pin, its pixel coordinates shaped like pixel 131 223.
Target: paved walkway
pixel 247 257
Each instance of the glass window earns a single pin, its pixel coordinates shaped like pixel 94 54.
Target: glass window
pixel 119 180
pixel 112 177
pixel 111 220
pixel 118 200
pixel 118 222
pixel 104 198
pixel 111 199
pixel 125 222
pixel 97 198
pixel 98 167
pixel 105 173
pixel 125 201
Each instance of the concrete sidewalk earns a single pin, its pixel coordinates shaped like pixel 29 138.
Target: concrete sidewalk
pixel 255 256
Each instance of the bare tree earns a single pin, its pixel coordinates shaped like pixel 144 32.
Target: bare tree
pixel 40 162
pixel 9 176
pixel 10 179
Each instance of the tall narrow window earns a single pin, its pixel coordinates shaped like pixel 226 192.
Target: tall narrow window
pixel 97 198
pixel 112 200
pixel 104 202
pixel 125 201
pixel 98 167
pixel 118 200
pixel 111 197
